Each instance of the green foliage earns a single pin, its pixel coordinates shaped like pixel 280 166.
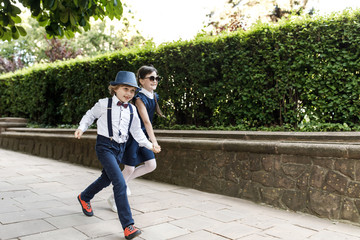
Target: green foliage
pixel 59 17
pixel 102 37
pixel 9 21
pixel 326 127
pixel 301 75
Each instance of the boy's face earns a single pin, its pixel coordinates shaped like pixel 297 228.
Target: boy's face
pixel 125 93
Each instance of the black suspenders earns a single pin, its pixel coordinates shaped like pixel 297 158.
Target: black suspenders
pixel 109 118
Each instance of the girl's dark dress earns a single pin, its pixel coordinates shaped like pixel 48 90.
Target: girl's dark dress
pixel 134 154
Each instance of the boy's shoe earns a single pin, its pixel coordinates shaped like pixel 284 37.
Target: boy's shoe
pixel 86 207
pixel 130 232
pixel 112 203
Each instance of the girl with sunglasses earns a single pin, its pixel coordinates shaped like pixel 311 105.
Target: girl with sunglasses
pixel 139 161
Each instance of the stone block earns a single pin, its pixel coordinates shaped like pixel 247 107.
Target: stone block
pixel 209 184
pixel 346 167
pixel 324 162
pixel 244 170
pixel 58 151
pixel 231 172
pixel 255 162
pixel 49 148
pixel 350 211
pixel 312 149
pixel 277 165
pixel 241 156
pixel 353 190
pixel 268 162
pixel 357 170
pixel 37 147
pixel 232 189
pixel 293 170
pixel 303 181
pixel 325 204
pixel 317 176
pixel 337 181
pixel 294 200
pixel 249 146
pixel 29 147
pixel 251 191
pixel 271 196
pixel 357 204
pixel 353 151
pixel 295 158
pixel 285 182
pixel 264 178
pixel 15 145
pixel 43 150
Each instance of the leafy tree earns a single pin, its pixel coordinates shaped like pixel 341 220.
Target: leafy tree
pixel 11 64
pixel 239 15
pixel 59 17
pixel 60 51
pixel 104 36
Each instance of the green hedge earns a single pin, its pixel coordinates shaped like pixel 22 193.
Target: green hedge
pixel 298 71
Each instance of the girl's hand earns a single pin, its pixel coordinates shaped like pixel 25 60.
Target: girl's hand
pixel 78 133
pixel 156 148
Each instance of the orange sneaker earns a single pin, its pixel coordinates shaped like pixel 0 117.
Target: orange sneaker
pixel 86 207
pixel 130 232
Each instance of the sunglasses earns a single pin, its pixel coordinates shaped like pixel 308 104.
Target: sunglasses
pixel 152 78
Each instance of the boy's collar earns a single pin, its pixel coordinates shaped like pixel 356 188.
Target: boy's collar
pixel 116 99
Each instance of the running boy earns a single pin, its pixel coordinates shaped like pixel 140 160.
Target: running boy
pixel 116 118
pixel 139 161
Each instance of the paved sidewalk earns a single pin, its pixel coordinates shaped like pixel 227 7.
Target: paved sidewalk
pixel 38 201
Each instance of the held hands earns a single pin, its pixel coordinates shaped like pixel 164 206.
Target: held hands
pixel 156 148
pixel 78 133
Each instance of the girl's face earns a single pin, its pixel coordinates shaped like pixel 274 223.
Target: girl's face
pixel 150 81
pixel 125 93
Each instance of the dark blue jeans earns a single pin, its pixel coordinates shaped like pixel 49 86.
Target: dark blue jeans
pixel 110 154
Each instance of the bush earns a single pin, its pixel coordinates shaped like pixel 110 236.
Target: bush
pixel 272 77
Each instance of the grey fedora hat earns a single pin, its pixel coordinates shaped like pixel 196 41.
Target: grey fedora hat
pixel 125 78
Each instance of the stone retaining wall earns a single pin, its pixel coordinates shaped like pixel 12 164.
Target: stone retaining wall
pixel 316 173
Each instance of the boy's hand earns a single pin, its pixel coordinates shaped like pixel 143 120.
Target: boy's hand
pixel 78 133
pixel 156 148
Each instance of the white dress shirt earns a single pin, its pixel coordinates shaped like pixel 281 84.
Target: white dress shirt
pixel 120 117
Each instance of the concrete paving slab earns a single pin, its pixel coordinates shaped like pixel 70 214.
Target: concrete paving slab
pixel 38 201
pixel 258 237
pixel 233 230
pixel 15 230
pixel 150 219
pixel 222 215
pixel 288 230
pixel 162 232
pixel 61 234
pixel 330 235
pixel 180 212
pixel 100 229
pixel 200 235
pixel 61 211
pixel 196 223
pixel 21 216
pixel 72 220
